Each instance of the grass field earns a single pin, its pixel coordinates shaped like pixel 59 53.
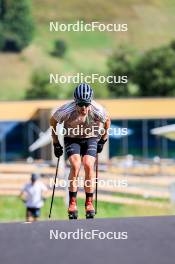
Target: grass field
pixel 151 24
pixel 12 209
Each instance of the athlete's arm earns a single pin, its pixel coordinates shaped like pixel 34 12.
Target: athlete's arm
pixel 106 127
pixel 102 116
pixel 58 116
pixel 58 149
pixel 53 125
pixel 22 195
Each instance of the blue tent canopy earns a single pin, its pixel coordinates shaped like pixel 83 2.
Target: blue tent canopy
pixel 117 132
pixel 6 127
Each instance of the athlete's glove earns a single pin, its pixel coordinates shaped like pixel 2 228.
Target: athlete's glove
pixel 58 149
pixel 100 145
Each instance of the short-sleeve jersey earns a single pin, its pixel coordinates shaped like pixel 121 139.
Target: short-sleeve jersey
pixel 72 119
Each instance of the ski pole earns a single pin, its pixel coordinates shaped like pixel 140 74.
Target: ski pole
pixel 96 188
pixel 56 173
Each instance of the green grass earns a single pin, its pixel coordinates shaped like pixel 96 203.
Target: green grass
pixel 140 197
pixel 12 209
pixel 91 10
pixel 151 24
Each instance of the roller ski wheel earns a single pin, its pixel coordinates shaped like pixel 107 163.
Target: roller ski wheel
pixel 73 215
pixel 89 208
pixel 90 214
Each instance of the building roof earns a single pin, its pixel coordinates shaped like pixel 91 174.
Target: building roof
pixel 150 108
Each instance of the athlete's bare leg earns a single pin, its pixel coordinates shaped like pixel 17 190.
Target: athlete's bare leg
pixel 88 163
pixel 75 162
pixel 29 217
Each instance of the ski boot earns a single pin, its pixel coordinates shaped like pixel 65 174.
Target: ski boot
pixel 72 210
pixel 89 208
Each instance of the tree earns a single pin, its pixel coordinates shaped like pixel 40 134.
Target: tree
pixel 2 40
pixel 155 72
pixel 16 24
pixel 2 11
pixel 122 63
pixel 60 48
pixel 40 87
pixel 2 8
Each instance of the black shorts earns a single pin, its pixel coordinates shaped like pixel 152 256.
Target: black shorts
pixel 31 211
pixel 81 146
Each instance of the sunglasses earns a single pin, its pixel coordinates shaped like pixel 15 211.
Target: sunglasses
pixel 83 104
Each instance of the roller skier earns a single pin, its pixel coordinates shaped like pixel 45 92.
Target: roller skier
pixel 84 114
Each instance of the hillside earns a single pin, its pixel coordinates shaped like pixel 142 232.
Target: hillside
pixel 150 24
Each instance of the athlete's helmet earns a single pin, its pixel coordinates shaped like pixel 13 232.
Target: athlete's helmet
pixel 83 93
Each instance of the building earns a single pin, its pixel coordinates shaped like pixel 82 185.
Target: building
pixel 22 122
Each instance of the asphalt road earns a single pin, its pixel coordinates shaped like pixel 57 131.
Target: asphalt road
pixel 144 240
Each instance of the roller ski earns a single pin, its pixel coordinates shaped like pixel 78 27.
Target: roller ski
pixel 89 208
pixel 72 210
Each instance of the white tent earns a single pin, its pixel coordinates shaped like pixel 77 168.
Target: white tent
pixel 43 140
pixel 165 131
